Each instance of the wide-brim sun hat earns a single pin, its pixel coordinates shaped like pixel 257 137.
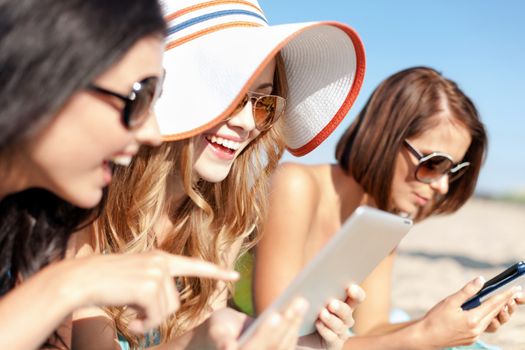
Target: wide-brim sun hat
pixel 216 49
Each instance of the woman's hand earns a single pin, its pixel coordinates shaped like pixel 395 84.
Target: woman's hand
pixel 505 314
pixel 223 328
pixel 144 282
pixel 448 325
pixel 336 319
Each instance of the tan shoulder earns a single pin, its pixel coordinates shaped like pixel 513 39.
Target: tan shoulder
pixel 295 179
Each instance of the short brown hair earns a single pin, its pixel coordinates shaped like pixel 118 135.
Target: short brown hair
pixel 401 107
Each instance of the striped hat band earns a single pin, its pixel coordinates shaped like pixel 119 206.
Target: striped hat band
pixel 191 22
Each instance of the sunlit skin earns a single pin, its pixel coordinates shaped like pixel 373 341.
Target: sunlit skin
pixel 219 329
pixel 320 197
pixel 409 195
pixel 213 162
pixel 69 157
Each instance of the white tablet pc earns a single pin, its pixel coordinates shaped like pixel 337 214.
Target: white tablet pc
pixel 363 241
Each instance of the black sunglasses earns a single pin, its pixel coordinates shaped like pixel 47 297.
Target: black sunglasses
pixel 435 165
pixel 138 103
pixel 267 109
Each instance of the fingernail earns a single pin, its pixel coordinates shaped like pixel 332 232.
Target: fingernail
pixel 359 293
pixel 325 313
pixel 300 306
pixel 479 281
pixel 334 305
pixel 518 295
pixel 275 320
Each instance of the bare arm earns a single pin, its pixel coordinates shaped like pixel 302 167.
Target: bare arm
pixel 372 315
pixel 92 327
pixel 33 310
pixel 283 251
pixel 292 205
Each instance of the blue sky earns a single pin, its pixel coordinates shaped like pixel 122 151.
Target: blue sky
pixel 479 44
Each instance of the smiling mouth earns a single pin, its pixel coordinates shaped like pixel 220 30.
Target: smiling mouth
pixel 222 144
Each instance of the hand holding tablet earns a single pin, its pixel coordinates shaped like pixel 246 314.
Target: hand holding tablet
pixel 363 241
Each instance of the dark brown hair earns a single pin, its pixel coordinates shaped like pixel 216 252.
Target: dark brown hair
pixel 50 50
pixel 404 106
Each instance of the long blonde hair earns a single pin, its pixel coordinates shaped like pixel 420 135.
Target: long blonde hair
pixel 208 220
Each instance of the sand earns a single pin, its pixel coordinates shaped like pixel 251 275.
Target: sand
pixel 441 254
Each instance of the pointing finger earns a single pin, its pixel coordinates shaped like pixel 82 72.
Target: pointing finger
pixel 183 266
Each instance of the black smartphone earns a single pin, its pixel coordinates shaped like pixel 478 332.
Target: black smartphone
pixel 511 276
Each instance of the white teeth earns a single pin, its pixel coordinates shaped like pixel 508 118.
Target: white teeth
pixel 122 160
pixel 233 145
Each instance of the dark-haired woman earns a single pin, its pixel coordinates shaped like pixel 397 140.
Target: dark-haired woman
pixel 415 149
pixel 77 81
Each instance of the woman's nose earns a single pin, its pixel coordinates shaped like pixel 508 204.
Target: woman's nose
pixel 148 133
pixel 244 119
pixel 440 185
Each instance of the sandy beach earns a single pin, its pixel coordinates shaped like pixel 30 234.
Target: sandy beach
pixel 441 254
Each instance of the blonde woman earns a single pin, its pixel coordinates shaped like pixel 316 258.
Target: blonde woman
pixel 205 197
